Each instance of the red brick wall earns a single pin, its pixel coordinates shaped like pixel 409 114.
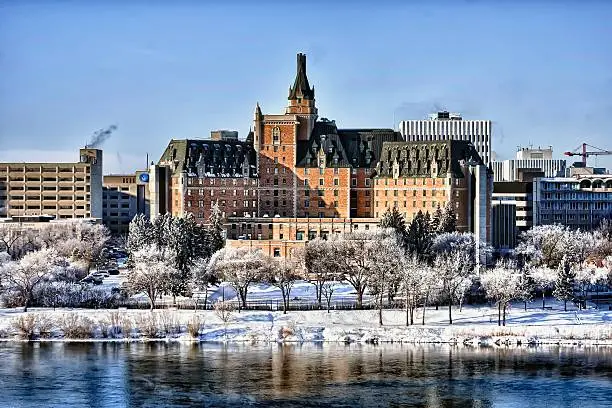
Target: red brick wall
pixel 410 195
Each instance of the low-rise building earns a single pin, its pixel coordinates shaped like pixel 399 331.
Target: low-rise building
pixel 124 196
pixel 581 201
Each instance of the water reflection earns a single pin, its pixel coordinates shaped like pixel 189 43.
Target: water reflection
pixel 168 374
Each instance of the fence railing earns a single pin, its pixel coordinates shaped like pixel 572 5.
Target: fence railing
pixel 265 305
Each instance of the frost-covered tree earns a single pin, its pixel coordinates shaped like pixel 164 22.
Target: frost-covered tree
pixel 181 236
pixel 415 279
pixel 544 278
pixel 320 262
pixel 502 284
pixel 418 236
pixel 545 245
pixel 436 220
pixel 282 273
pixel 564 284
pixel 587 277
pixel 392 218
pixel 448 221
pixel 240 267
pixel 217 241
pixel 23 277
pixel 454 263
pixel 17 241
pixel 327 289
pixel 203 276
pixel 151 271
pixel 355 255
pixel 385 255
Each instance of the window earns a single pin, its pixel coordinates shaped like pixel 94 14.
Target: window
pixel 367 182
pixel 246 203
pixel 306 170
pixel 276 160
pixel 335 193
pixel 306 203
pixel 336 170
pixel 335 204
pixel 336 182
pixel 367 193
pixel 321 181
pixel 354 182
pixel 321 171
pixel 321 204
pixel 354 171
pixel 299 235
pixel 277 252
pixel 320 193
pixel 276 135
pixel 307 193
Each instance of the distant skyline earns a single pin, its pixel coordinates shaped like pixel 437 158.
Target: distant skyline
pixel 540 70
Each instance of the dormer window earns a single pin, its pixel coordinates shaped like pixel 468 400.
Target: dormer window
pixel 276 135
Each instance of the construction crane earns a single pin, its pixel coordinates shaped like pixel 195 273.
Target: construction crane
pixel 584 153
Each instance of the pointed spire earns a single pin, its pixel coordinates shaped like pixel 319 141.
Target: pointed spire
pixel 258 111
pixel 301 87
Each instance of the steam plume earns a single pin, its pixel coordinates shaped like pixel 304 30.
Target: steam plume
pixel 101 136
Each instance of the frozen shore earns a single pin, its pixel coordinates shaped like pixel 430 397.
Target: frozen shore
pixel 472 326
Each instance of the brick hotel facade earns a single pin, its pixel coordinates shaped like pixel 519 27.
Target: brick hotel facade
pixel 298 176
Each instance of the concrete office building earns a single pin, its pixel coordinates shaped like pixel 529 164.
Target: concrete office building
pixel 450 126
pixel 512 212
pixel 528 160
pixel 581 201
pixel 124 196
pixel 59 190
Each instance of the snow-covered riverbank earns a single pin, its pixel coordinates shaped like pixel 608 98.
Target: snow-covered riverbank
pixel 472 326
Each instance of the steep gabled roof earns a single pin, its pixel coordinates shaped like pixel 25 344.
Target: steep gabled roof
pixel 426 158
pixel 301 87
pixel 211 158
pixel 343 147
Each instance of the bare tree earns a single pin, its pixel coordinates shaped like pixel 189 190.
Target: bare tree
pixel 282 273
pixel 320 263
pixel 25 276
pixel 327 289
pixel 152 266
pixel 502 284
pixel 385 254
pixel 454 263
pixel 240 267
pixel 202 277
pixel 415 278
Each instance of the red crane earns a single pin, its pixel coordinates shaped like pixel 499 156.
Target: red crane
pixel 584 153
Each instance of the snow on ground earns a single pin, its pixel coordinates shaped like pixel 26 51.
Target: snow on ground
pixel 472 325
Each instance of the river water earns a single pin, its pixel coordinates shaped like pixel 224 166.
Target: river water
pixel 337 375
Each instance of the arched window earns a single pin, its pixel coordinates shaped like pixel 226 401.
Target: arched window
pixel 276 135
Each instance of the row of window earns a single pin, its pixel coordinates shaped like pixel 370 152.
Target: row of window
pixel 222 181
pixel 414 193
pixel 406 181
pixel 432 204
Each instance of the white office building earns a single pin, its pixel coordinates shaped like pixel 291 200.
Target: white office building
pixel 531 160
pixel 450 126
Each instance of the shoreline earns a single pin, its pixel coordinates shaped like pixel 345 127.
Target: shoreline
pixel 473 327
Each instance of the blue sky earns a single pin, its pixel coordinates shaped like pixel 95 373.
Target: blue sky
pixel 542 71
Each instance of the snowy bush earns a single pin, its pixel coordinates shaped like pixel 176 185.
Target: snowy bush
pixel 114 326
pixel 75 326
pixel 148 325
pixel 195 326
pixel 224 311
pixel 169 323
pixel 30 326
